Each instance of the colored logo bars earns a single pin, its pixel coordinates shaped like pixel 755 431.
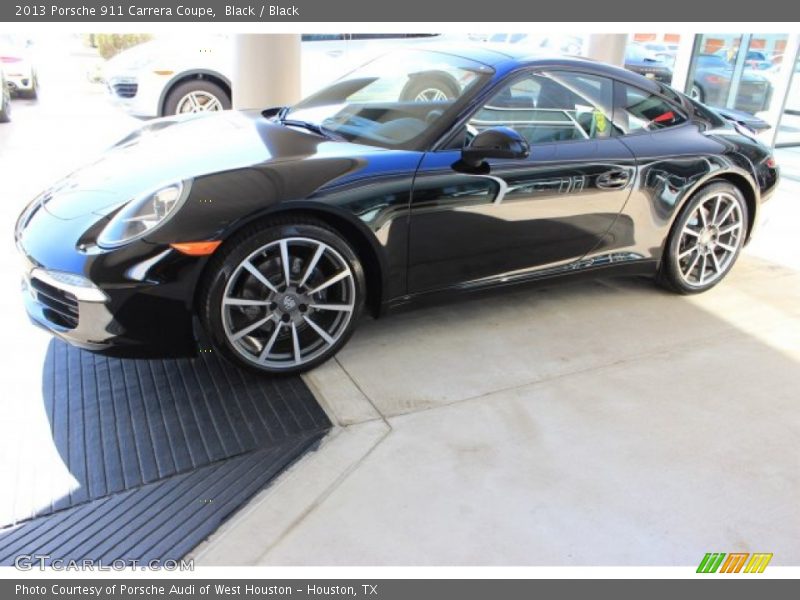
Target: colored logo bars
pixel 716 561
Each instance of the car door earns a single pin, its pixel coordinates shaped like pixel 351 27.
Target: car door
pixel 517 217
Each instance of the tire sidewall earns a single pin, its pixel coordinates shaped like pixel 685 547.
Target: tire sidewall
pixel 671 260
pixel 180 90
pixel 235 251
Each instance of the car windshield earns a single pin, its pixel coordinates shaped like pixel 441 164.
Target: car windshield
pixel 393 101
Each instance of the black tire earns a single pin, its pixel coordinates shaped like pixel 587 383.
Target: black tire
pixel 5 106
pixel 697 93
pixel 33 93
pixel 228 259
pixel 204 86
pixel 670 276
pixel 420 83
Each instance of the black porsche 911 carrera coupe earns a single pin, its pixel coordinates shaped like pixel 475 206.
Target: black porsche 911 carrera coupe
pixel 421 173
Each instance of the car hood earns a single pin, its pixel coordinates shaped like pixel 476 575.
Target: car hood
pixel 175 149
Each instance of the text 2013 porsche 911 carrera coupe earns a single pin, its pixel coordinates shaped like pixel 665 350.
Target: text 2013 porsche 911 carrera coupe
pixel 423 172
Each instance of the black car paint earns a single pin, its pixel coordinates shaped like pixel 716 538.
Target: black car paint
pixel 421 225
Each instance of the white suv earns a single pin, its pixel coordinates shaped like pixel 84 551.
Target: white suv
pixel 15 59
pixel 178 75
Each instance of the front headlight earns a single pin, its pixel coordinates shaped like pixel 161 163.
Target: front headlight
pixel 143 214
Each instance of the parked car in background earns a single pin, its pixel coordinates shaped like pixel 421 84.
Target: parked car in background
pixel 646 62
pixel 17 63
pixel 755 59
pixel 712 80
pixel 169 76
pixel 556 44
pixel 172 75
pixel 666 53
pixel 5 99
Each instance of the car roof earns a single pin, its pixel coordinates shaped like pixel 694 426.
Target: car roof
pixel 505 58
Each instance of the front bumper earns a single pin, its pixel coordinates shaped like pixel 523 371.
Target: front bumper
pixel 19 83
pixel 82 322
pixel 136 301
pixel 139 95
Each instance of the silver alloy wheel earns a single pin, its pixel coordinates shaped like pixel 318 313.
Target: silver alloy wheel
pixel 710 240
pixel 431 95
pixel 288 302
pixel 695 93
pixel 198 101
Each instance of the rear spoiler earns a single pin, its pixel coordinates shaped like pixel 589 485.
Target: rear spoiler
pixel 751 122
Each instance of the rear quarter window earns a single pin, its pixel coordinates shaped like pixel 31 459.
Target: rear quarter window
pixel 638 110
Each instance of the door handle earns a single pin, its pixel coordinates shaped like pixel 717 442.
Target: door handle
pixel 613 180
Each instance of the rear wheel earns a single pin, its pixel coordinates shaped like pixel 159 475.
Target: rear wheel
pixel 283 297
pixel 705 240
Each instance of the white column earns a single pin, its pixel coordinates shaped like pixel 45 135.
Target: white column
pixel 608 47
pixel 266 70
pixel 683 61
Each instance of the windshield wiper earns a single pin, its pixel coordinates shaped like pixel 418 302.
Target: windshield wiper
pixel 313 127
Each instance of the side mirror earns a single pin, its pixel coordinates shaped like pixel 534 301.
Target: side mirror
pixel 497 142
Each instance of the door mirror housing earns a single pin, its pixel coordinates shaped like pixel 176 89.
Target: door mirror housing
pixel 496 142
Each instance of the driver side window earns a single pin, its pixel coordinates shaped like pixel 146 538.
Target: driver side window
pixel 552 107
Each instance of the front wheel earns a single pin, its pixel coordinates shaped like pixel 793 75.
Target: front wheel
pixel 197 95
pixel 283 297
pixel 705 240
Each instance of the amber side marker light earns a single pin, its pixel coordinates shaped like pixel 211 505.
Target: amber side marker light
pixel 196 248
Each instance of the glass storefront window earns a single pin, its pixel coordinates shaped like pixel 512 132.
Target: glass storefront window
pixel 789 127
pixel 736 71
pixel 552 44
pixel 652 55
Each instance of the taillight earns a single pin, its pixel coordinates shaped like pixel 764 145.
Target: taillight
pixel 714 79
pixel 771 162
pixel 10 59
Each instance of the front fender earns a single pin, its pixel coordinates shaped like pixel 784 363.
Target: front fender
pixel 366 196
